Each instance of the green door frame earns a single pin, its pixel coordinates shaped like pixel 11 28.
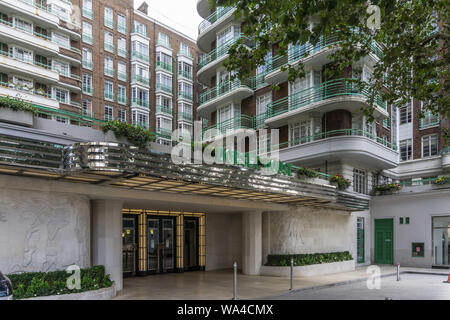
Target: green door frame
pixel 384 241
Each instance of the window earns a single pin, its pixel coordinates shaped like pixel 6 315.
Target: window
pixel 429 146
pixel 109 90
pixel 60 12
pixel 87 33
pixel 163 123
pixel 109 18
pixel 263 68
pixel 359 181
pixel 184 49
pixel 121 94
pixel 60 39
pixel 185 111
pixel 21 54
pixel 121 23
pixel 87 107
pixel 262 102
pixel 87 58
pixel 164 60
pixel 109 41
pixel 185 90
pixel 163 101
pixel 140 50
pixel 60 119
pixel 164 81
pixel 122 115
pixel 61 95
pixel 163 39
pixel 23 25
pixel 140 97
pixel 61 67
pixel 224 36
pixel 87 83
pixel 140 28
pixel 300 132
pixel 185 70
pixel 405 114
pixel 109 113
pixel 24 84
pixel 140 118
pixel 122 47
pixel 109 66
pixel 406 150
pixel 87 9
pixel 430 119
pixel 122 71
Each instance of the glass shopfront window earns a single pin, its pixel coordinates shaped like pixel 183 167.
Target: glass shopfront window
pixel 441 245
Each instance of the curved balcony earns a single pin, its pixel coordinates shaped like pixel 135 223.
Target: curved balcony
pixel 215 21
pixel 208 63
pixel 231 91
pixel 309 54
pixel 227 127
pixel 339 93
pixel 203 8
pixel 346 144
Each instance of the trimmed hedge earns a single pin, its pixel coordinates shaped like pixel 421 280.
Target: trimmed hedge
pixel 284 260
pixel 38 284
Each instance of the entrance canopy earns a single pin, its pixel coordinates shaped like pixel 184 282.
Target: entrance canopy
pixel 124 166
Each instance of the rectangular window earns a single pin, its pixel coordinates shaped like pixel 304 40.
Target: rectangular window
pixel 23 25
pixel 405 114
pixel 359 181
pixel 109 18
pixel 109 41
pixel 61 40
pixel 122 47
pixel 109 90
pixel 122 115
pixel 109 113
pixel 163 39
pixel 61 95
pixel 300 132
pixel 87 33
pixel 121 94
pixel 184 49
pixel 140 119
pixel 122 71
pixel 62 68
pixel 262 102
pixel 140 28
pixel 109 66
pixel 87 107
pixel 429 146
pixel 406 150
pixel 121 23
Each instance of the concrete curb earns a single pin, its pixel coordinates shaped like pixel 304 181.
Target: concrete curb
pixel 102 294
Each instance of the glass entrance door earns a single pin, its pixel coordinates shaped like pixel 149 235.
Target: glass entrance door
pixel 129 244
pixel 441 244
pixel 161 244
pixel 190 243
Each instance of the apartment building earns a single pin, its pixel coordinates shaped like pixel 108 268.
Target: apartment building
pixel 321 125
pixel 86 62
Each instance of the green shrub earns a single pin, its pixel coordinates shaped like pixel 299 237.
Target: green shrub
pixel 306 172
pixel 36 284
pixel 138 136
pixel 17 105
pixel 284 260
pixel 340 181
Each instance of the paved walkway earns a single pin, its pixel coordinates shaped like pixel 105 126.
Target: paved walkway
pixel 219 284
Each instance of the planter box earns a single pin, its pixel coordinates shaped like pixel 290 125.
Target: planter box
pixel 23 118
pixel 311 270
pixel 102 294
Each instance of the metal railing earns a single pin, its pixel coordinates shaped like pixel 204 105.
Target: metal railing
pixel 185 95
pixel 108 22
pixel 213 18
pixel 185 116
pixel 140 56
pixel 109 46
pixel 184 74
pixel 164 109
pixel 108 71
pixel 224 88
pixel 238 122
pixel 25 89
pixel 121 28
pixel 109 96
pixel 122 52
pixel 88 38
pixel 88 13
pixel 140 103
pixel 88 89
pixel 164 65
pixel 122 99
pixel 324 91
pixel 222 50
pixel 121 76
pixel 88 64
pixel 140 32
pixel 164 87
pixel 140 79
pixel 164 43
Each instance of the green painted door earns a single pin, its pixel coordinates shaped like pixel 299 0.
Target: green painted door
pixel 384 241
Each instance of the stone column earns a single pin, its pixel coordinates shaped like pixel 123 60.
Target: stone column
pixel 107 237
pixel 252 242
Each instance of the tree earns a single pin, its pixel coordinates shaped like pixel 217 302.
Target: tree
pixel 415 52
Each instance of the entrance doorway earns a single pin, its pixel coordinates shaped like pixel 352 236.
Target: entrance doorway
pixel 384 241
pixel 161 248
pixel 190 246
pixel 129 244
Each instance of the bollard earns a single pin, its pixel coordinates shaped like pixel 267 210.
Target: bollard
pixel 292 274
pixel 235 282
pixel 398 271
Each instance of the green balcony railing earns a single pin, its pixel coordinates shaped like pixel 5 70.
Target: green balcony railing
pixel 235 123
pixel 337 133
pixel 163 132
pixel 109 46
pixel 164 87
pixel 184 74
pixel 108 22
pixel 213 18
pixel 185 95
pixel 222 50
pixel 88 64
pixel 140 56
pixel 297 52
pixel 164 109
pixel 109 96
pixel 185 116
pixel 88 89
pixel 140 103
pixel 164 43
pixel 88 13
pixel 121 76
pixel 429 120
pixel 224 88
pixel 186 53
pixel 141 32
pixel 164 65
pixel 327 90
pixel 88 38
pixel 140 79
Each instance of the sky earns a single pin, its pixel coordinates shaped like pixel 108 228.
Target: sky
pixel 179 14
